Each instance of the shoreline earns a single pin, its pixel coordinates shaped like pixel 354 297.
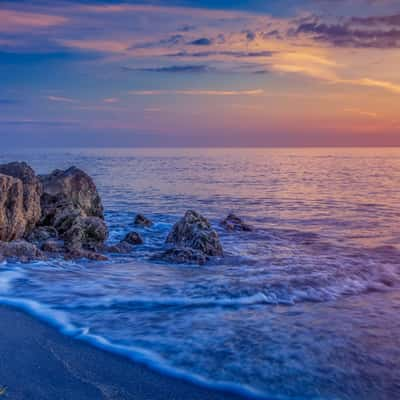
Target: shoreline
pixel 39 362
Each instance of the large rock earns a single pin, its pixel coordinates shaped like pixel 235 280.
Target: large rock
pixel 66 193
pixel 233 223
pixel 20 250
pixel 20 193
pixel 72 205
pixel 193 231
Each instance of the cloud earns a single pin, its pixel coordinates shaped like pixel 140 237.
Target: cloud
pixel 110 46
pixel 361 112
pixel 111 100
pixel 196 92
pixel 16 21
pixel 390 86
pixel 27 121
pixel 174 69
pixel 61 99
pixel 202 42
pixel 229 53
pixel 374 32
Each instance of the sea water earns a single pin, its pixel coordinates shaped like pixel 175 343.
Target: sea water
pixel 307 306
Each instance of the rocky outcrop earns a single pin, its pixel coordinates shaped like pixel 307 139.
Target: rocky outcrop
pixel 69 193
pixel 20 192
pixel 193 231
pixel 71 205
pixel 21 250
pixel 233 223
pixel 181 256
pixel 142 222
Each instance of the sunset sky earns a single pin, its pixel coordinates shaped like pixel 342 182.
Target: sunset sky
pixel 200 73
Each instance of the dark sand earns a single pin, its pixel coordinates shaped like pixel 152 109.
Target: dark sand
pixel 37 362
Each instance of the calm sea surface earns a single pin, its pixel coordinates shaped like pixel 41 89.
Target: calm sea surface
pixel 305 307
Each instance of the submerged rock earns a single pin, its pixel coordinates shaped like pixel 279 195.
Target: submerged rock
pixel 20 192
pixel 21 250
pixel 120 248
pixel 133 238
pixel 182 255
pixel 142 221
pixel 74 254
pixel 233 223
pixel 193 231
pixel 69 193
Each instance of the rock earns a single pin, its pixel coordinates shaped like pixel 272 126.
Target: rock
pixel 86 233
pixel 142 221
pixel 12 218
pixel 133 238
pixel 21 250
pixel 234 223
pixel 182 256
pixel 20 194
pixel 53 246
pixel 120 248
pixel 75 254
pixel 194 231
pixel 67 193
pixel 42 234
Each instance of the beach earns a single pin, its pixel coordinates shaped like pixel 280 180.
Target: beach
pixel 37 362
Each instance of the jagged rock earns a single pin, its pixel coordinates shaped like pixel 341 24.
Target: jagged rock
pixel 194 231
pixel 133 238
pixel 53 246
pixel 69 193
pixel 120 248
pixel 142 222
pixel 21 250
pixel 86 233
pixel 181 256
pixel 42 234
pixel 233 223
pixel 19 200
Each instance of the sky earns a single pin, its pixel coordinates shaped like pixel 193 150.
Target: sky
pixel 200 73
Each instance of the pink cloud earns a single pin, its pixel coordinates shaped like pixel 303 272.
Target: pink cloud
pixel 14 21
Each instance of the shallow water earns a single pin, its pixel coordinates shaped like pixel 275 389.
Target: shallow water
pixel 305 307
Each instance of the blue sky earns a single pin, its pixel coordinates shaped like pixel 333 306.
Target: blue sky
pixel 200 73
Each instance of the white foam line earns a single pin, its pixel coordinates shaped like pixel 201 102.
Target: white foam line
pixel 60 321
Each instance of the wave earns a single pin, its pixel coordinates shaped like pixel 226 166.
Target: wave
pixel 60 321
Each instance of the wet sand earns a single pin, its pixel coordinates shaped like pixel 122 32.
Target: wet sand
pixel 38 363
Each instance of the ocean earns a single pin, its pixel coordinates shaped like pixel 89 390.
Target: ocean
pixel 307 306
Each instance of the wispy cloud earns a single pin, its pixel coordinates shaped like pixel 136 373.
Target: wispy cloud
pixel 360 112
pixel 173 69
pixel 254 92
pixel 111 100
pixel 62 99
pixel 14 21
